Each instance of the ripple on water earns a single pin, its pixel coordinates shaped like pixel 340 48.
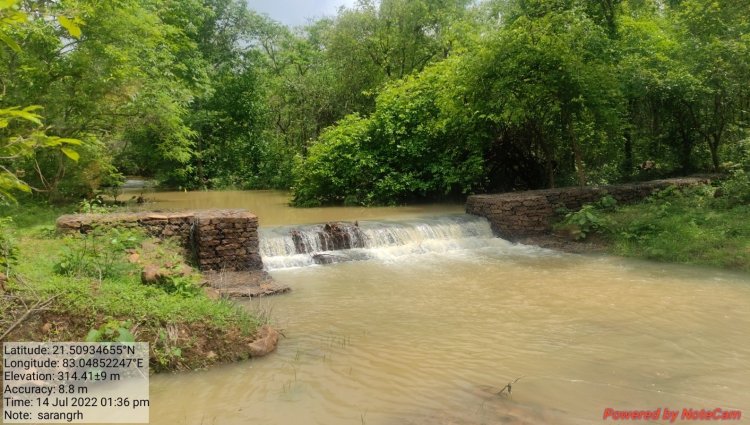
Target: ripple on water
pixel 417 339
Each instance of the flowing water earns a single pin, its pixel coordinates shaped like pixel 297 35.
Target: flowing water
pixel 432 315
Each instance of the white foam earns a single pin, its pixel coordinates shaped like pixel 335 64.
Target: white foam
pixel 387 241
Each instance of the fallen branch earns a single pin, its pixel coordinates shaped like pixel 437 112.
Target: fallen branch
pixel 40 305
pixel 509 388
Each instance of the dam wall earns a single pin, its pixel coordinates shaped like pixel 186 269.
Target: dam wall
pixel 224 240
pixel 514 215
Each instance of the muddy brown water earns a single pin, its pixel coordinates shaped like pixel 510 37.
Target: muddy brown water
pixel 423 330
pixel 272 207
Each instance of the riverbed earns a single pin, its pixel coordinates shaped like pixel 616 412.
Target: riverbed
pixel 427 323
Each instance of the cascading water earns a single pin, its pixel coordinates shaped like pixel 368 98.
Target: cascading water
pixel 285 247
pixel 443 315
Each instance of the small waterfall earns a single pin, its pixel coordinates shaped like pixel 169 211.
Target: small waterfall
pixel 300 246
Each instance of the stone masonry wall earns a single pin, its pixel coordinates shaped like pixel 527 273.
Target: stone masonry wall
pixel 227 240
pixel 517 214
pixel 219 239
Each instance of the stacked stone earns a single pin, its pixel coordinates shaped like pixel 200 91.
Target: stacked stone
pixel 227 240
pixel 219 239
pixel 513 215
pixel 160 225
pixel 517 214
pixel 172 225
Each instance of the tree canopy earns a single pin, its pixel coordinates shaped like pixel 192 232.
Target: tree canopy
pixel 388 101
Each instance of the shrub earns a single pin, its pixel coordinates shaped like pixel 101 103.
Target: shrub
pixel 735 190
pixel 8 248
pixel 111 331
pixel 172 280
pixel 112 182
pixel 686 225
pixel 337 167
pixel 99 254
pixel 739 152
pixel 93 206
pixel 165 268
pixel 419 143
pixel 71 180
pixel 589 218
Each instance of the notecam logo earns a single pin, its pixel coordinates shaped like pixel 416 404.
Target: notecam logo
pixel 669 415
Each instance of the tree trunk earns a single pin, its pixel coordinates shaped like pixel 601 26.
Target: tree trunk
pixel 627 164
pixel 549 160
pixel 550 169
pixel 580 170
pixel 713 146
pixel 577 155
pixel 686 151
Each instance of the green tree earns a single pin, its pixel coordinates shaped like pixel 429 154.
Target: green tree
pixel 111 80
pixel 716 48
pixel 415 145
pixel 22 133
pixel 544 85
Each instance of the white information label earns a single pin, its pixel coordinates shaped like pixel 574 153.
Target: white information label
pixel 75 382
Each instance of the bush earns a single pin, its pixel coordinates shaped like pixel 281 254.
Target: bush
pixel 739 152
pixel 419 143
pixel 165 268
pixel 111 331
pixel 686 225
pixel 112 182
pixel 72 180
pixel 589 218
pixel 94 206
pixel 99 254
pixel 337 166
pixel 735 190
pixel 185 286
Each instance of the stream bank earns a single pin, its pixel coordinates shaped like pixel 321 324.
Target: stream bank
pixel 121 283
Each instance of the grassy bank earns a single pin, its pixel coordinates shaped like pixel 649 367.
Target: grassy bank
pixel 706 225
pixel 82 287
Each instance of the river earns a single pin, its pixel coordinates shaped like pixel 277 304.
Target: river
pixel 433 316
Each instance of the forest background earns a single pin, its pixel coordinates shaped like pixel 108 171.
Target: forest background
pixel 386 102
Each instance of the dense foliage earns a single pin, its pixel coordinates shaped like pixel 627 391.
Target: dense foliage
pixel 388 101
pixel 550 93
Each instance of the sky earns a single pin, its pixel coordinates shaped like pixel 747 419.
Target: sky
pixel 297 12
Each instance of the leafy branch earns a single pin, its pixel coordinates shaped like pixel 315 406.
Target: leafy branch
pixel 23 142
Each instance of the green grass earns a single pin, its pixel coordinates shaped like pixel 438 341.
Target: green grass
pixel 40 249
pixel 90 301
pixel 35 214
pixel 120 296
pixel 689 227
